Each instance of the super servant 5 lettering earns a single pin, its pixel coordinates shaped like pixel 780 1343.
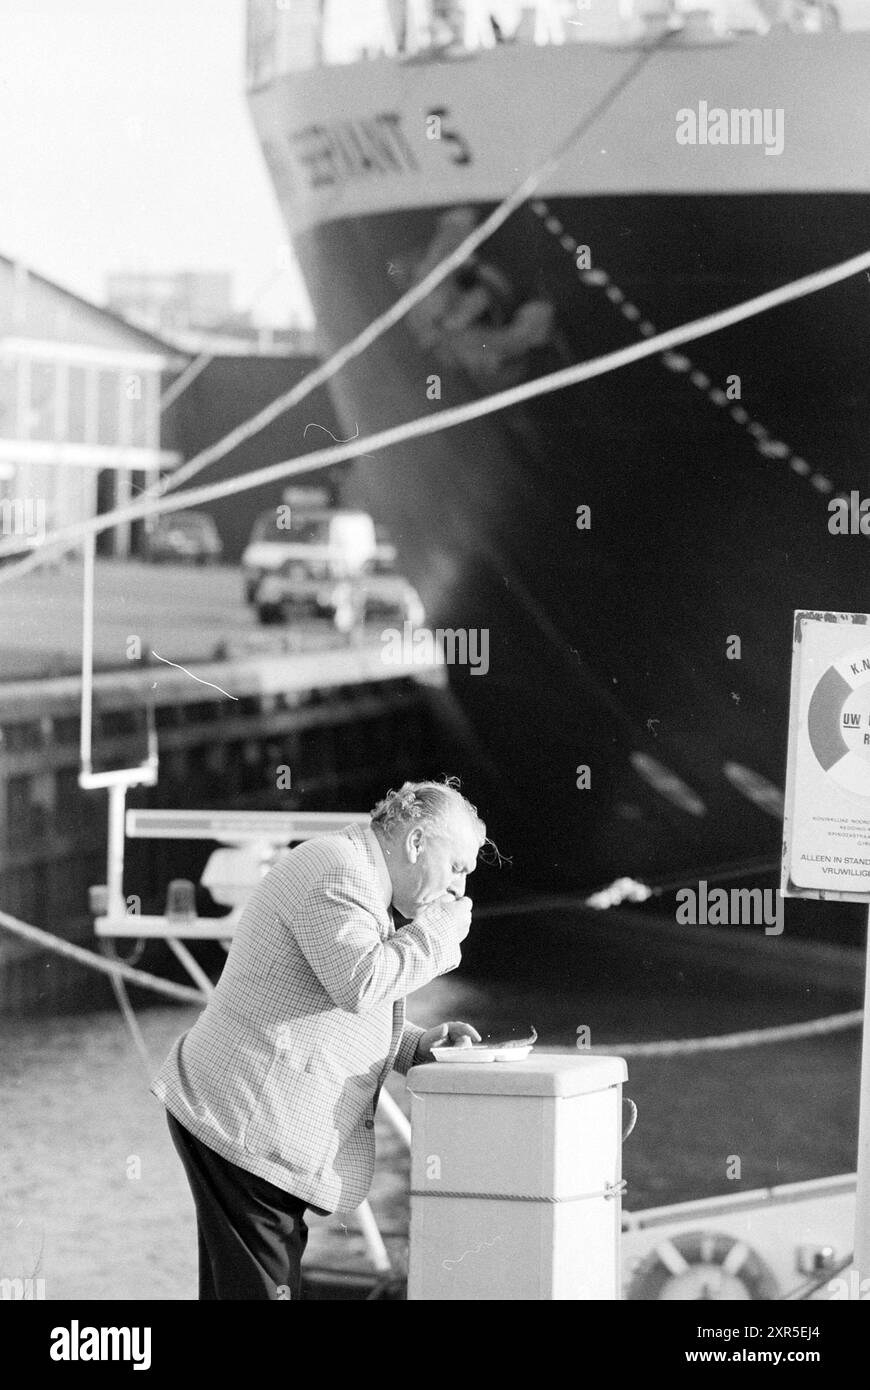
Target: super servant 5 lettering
pixel 76 1343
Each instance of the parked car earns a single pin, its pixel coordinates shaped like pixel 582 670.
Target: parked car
pixel 381 592
pixel 185 537
pixel 307 566
pixel 376 591
pixel 311 545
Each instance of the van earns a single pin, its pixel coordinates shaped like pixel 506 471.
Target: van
pixel 306 545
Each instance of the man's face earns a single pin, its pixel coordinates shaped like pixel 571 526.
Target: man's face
pixel 428 863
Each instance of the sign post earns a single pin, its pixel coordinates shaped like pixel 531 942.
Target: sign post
pixel 826 827
pixel 862 1194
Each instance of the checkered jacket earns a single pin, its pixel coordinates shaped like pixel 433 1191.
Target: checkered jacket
pixel 282 1071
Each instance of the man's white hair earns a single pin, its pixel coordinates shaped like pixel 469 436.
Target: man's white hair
pixel 434 803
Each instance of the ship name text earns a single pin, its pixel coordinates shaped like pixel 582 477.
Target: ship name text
pixel 327 155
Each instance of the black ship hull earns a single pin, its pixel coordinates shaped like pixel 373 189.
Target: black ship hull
pixel 647 640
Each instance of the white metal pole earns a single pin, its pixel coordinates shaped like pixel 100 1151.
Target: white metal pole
pixel 377 1251
pixel 394 1117
pixel 192 966
pixel 90 548
pixel 89 545
pixel 862 1195
pixel 115 854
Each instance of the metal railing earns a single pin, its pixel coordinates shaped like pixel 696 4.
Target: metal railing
pixel 285 37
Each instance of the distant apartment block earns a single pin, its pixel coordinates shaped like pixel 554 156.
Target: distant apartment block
pixel 184 299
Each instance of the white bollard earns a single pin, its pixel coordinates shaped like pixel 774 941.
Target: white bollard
pixel 516 1176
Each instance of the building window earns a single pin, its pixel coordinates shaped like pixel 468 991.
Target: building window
pixel 77 406
pixel 109 408
pixel 140 390
pixel 43 400
pixel 8 398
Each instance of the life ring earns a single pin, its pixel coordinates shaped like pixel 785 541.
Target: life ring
pixel 838 722
pixel 702 1265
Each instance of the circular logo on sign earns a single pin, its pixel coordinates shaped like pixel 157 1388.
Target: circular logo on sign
pixel 838 722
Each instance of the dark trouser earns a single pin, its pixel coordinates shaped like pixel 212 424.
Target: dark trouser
pixel 252 1235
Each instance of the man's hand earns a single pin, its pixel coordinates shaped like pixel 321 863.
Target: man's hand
pixel 455 1034
pixel 458 914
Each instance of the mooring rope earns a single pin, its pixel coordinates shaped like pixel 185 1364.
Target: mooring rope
pixel 115 968
pixel 609 1191
pixel 128 1013
pixel 469 244
pixel 672 1047
pixel 816 1027
pixel 723 1042
pixel 376 329
pixel 630 890
pixel 54 545
pixel 443 419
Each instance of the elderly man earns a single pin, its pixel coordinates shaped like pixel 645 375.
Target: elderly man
pixel 272 1094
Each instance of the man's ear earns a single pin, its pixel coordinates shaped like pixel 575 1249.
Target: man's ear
pixel 414 842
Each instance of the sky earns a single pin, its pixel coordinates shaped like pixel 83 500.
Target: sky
pixel 125 144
